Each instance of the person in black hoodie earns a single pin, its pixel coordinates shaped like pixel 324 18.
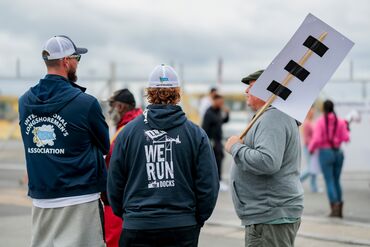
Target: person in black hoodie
pixel 163 176
pixel 65 137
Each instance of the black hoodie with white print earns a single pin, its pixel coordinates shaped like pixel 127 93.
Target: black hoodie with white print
pixel 163 173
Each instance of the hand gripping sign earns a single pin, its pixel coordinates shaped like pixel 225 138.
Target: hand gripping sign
pixel 295 77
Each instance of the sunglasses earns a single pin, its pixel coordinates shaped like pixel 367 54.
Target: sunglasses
pixel 77 57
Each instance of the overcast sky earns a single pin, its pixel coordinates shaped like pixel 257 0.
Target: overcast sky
pixel 138 34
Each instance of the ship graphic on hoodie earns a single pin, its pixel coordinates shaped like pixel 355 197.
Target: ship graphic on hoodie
pixel 159 159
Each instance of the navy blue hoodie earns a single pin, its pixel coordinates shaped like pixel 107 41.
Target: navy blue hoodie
pixel 162 173
pixel 65 136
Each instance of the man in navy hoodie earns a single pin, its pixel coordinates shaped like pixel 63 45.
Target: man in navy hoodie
pixel 163 176
pixel 65 136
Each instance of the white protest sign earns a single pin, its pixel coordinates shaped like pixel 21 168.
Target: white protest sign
pixel 328 48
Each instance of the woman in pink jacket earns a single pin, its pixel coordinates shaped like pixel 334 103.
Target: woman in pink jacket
pixel 328 135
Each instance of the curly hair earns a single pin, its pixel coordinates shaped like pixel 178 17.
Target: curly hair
pixel 165 96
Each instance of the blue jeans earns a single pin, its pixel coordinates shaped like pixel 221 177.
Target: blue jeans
pixel 313 181
pixel 331 162
pixel 307 172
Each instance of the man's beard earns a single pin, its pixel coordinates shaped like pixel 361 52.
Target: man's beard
pixel 115 116
pixel 72 77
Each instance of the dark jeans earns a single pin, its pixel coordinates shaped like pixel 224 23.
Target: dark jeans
pixel 218 149
pixel 331 162
pixel 174 237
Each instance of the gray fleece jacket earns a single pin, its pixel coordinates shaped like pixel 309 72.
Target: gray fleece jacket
pixel 265 177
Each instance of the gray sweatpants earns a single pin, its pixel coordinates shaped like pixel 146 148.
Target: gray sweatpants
pixel 264 235
pixel 78 225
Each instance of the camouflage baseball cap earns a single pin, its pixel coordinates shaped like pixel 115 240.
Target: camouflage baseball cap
pixel 252 77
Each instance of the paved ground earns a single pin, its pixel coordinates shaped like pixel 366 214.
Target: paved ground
pixel 315 230
pixel 220 237
pixel 223 228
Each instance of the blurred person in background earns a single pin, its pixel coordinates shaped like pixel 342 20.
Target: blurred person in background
pixel 329 133
pixel 216 115
pixel 65 137
pixel 206 102
pixel 162 177
pixel 122 111
pixel 311 171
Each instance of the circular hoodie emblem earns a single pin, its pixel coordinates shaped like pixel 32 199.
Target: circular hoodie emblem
pixel 44 135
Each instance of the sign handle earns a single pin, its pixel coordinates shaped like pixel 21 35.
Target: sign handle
pixel 286 81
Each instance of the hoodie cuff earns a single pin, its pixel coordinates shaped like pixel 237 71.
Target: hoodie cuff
pixel 235 148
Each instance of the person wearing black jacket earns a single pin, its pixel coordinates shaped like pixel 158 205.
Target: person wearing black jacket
pixel 215 117
pixel 162 176
pixel 65 137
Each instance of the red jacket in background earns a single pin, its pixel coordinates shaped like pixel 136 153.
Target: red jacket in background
pixel 112 223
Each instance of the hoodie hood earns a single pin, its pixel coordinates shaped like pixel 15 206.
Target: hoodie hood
pixel 164 117
pixel 51 94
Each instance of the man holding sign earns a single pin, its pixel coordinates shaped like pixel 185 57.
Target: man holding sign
pixel 267 193
pixel 266 190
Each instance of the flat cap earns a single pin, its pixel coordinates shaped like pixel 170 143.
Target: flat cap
pixel 124 96
pixel 252 77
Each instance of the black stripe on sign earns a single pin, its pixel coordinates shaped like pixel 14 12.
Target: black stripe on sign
pixel 316 46
pixel 279 90
pixel 297 70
